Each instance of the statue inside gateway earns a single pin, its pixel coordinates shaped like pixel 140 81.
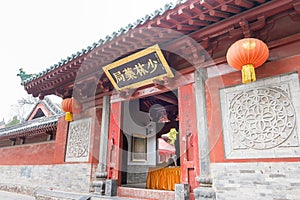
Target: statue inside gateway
pixel 150 144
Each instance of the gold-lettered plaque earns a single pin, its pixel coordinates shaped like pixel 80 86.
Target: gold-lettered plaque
pixel 138 69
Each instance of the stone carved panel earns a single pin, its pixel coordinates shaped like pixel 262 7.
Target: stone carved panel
pixel 260 119
pixel 78 143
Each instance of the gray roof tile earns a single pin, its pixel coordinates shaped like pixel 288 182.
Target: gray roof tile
pixel 28 126
pixel 54 108
pixel 121 31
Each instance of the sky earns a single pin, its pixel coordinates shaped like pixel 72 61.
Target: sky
pixel 36 34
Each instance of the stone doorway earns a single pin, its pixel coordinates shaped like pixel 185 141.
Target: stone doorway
pixel 146 146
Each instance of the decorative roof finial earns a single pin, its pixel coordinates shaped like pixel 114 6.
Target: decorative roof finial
pixel 23 75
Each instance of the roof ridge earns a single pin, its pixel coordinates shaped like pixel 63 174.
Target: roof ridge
pixel 38 122
pixel 168 6
pixel 51 106
pixel 47 102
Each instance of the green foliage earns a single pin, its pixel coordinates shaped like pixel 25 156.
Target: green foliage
pixel 12 122
pixel 172 135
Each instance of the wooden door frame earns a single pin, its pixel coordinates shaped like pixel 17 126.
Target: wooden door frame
pixel 188 137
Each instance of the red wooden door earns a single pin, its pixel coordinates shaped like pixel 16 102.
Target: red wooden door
pixel 189 161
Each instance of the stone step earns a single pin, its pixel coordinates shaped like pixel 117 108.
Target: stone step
pixel 54 195
pixel 44 194
pixel 115 198
pixel 98 183
pixel 106 197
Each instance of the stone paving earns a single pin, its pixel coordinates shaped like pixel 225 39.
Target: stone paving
pixel 57 195
pixel 14 196
pixel 61 195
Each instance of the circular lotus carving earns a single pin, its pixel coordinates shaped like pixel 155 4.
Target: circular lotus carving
pixel 262 118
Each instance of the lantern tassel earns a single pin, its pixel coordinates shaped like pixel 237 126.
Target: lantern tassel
pixel 248 73
pixel 68 117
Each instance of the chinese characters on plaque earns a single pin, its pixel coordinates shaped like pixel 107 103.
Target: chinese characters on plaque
pixel 138 69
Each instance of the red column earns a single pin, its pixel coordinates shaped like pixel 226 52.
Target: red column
pixel 189 161
pixel 114 143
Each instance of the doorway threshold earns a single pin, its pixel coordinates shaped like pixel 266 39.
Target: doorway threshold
pixel 134 185
pixel 143 193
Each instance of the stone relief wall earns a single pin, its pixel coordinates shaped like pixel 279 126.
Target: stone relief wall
pixel 260 119
pixel 78 143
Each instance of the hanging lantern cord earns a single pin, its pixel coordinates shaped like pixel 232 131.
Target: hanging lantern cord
pixel 68 116
pixel 248 73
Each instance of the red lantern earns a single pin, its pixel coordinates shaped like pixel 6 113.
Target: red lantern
pixel 71 106
pixel 247 54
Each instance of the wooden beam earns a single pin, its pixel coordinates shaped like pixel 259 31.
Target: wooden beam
pixel 206 5
pixel 196 22
pixel 126 93
pixel 216 13
pixel 164 23
pixel 297 7
pixel 195 9
pixel 261 1
pixel 258 24
pixel 150 91
pixel 284 41
pixel 104 85
pixel 244 3
pixel 245 27
pixel 166 99
pixel 149 31
pixel 129 39
pixel 208 18
pixel 184 13
pixel 181 27
pixel 268 9
pixel 230 8
pixel 170 18
pixel 168 34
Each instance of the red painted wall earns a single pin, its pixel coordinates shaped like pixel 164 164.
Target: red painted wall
pixel 52 152
pixel 62 136
pixel 31 154
pixel 39 153
pixel 274 68
pixel 60 141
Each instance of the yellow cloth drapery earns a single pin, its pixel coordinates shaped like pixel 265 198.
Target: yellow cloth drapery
pixel 163 178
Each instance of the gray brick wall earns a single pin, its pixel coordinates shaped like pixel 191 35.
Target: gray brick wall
pixel 257 181
pixel 27 179
pixel 136 173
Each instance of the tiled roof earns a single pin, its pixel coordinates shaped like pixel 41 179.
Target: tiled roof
pixel 2 122
pixel 108 38
pixel 172 27
pixel 30 127
pixel 52 107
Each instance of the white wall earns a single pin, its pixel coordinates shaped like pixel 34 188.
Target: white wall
pixel 137 122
